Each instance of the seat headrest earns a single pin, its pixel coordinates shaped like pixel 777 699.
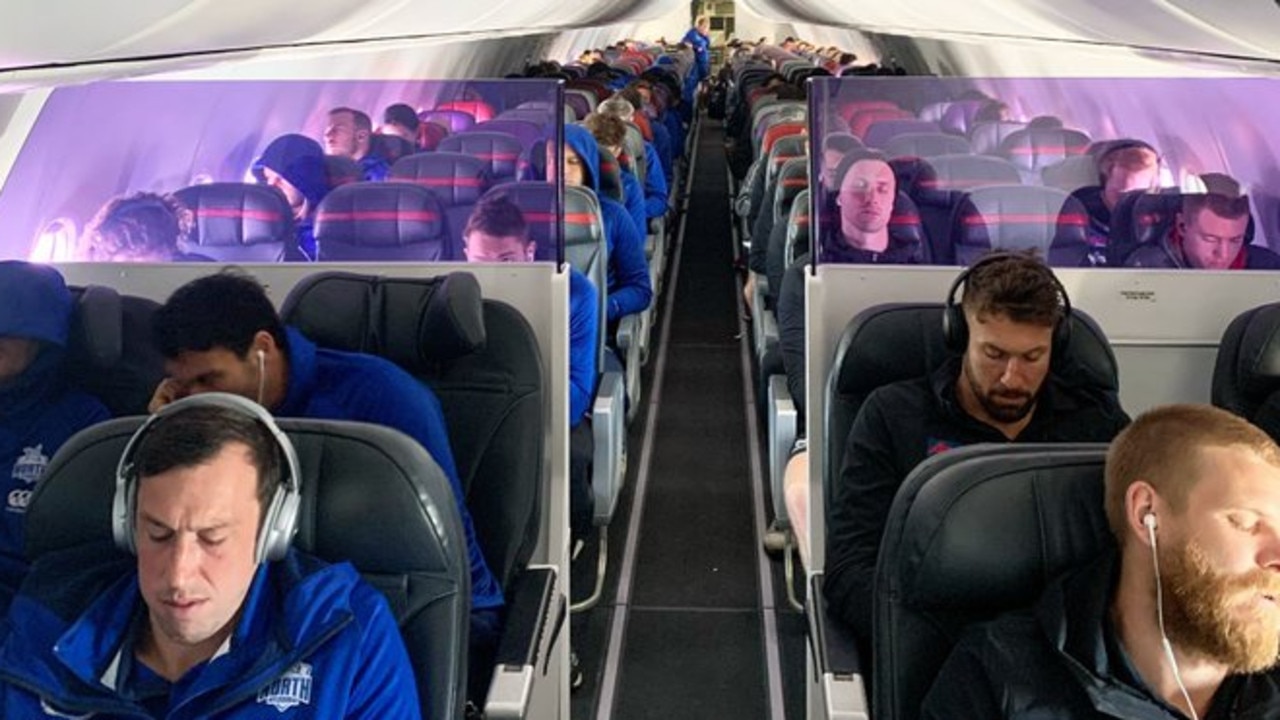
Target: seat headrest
pixel 985 137
pixel 96 335
pixel 522 128
pixel 1071 173
pixel 1034 148
pixel 452 120
pixel 478 109
pixel 351 472
pixel 584 243
pixel 797 239
pixel 879 134
pixel 925 145
pixel 538 201
pixel 1018 217
pixel 779 130
pixel 942 175
pixel 414 322
pixel 1257 359
pixel 379 221
pixel 238 222
pixel 1140 217
pixel 905 223
pixel 500 150
pixel 901 341
pixel 456 179
pixel 959 115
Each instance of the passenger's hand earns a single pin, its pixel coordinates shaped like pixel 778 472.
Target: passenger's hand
pixel 166 392
pixel 749 291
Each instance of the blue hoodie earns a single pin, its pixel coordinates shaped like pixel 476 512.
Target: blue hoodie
pixel 38 411
pixel 333 385
pixel 630 290
pixel 313 637
pixel 584 337
pixel 300 160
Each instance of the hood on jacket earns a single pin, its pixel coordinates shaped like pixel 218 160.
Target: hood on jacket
pixel 300 160
pixel 588 150
pixel 36 303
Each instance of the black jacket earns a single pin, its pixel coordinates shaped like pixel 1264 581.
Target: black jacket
pixel 1063 660
pixel 899 426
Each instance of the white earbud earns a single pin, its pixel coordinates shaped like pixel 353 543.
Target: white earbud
pixel 1149 520
pixel 262 373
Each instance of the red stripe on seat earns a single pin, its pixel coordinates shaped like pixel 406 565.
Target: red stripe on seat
pixel 416 215
pixel 442 181
pixel 1036 218
pixel 504 157
pixel 237 213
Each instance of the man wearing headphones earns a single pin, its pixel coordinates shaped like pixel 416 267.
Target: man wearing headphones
pixel 217 615
pixel 1123 166
pixel 1184 621
pixel 221 333
pixel 996 387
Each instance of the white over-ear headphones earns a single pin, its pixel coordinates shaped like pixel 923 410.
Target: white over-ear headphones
pixel 279 522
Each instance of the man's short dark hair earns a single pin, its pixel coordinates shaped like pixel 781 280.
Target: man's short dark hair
pixel 1018 286
pixel 224 310
pixel 497 216
pixel 402 115
pixel 193 436
pixel 358 117
pixel 139 225
pixel 1223 197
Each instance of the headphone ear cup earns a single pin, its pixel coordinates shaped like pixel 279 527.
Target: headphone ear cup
pixel 122 512
pixel 278 525
pixel 955 328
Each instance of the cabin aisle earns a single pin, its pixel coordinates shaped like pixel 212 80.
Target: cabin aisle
pixel 688 619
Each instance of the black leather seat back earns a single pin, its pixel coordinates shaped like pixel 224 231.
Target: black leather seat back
pixel 973 533
pixel 103 325
pixel 371 496
pixel 481 359
pixel 238 222
pixel 1246 373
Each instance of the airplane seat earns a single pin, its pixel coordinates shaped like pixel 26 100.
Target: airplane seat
pixel 380 221
pixel 779 130
pixel 525 131
pixel 341 170
pixel 500 150
pixel 1143 218
pixel 599 90
pixel 390 147
pixel 239 222
pixel 457 181
pixel 633 144
pixel 985 137
pixel 767 114
pixel 587 250
pixel 478 109
pixel 582 102
pixel 849 109
pixel 792 180
pixel 798 229
pixel 934 111
pixel 611 178
pixel 1246 372
pixel 104 324
pixel 455 121
pixel 879 134
pixel 958 118
pixel 415 553
pixel 1072 173
pixel 1033 149
pixel 971 534
pixel 1047 221
pixel 861 121
pixel 939 185
pixel 890 343
pixel 925 145
pixel 430 134
pixel 481 359
pixel 538 202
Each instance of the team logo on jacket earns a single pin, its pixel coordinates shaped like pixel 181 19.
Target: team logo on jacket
pixel 27 469
pixel 290 689
pixel 934 446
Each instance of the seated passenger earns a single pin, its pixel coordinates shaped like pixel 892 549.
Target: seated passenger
pixel 630 290
pixel 496 232
pixel 348 135
pixel 400 120
pixel 1209 233
pixel 999 390
pixel 294 165
pixel 203 619
pixel 142 227
pixel 221 333
pixel 656 181
pixel 609 133
pixel 38 411
pixel 1124 165
pixel 835 148
pixel 1181 622
pixel 865 202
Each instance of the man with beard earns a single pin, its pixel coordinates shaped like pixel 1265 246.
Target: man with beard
pixel 999 389
pixel 1182 622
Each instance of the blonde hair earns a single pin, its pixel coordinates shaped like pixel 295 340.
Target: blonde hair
pixel 1162 447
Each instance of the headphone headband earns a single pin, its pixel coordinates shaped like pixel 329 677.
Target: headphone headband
pixel 279 522
pixel 955 327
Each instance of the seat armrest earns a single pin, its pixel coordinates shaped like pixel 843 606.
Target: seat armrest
pixel 532 603
pixel 782 435
pixel 609 459
pixel 628 340
pixel 835 659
